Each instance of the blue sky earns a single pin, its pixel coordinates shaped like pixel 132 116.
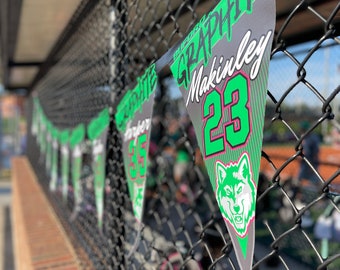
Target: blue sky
pixel 323 72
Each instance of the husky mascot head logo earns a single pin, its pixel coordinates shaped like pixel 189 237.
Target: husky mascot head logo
pixel 236 193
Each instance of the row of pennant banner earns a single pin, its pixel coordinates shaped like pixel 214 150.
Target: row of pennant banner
pixel 70 144
pixel 221 68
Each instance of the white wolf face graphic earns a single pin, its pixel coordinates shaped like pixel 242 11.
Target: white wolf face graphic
pixel 236 194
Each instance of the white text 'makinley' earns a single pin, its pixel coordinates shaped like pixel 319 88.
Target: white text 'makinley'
pixel 249 51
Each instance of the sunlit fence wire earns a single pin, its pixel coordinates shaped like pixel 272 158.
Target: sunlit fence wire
pixel 99 56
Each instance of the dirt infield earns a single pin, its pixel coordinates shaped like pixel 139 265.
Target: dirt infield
pixel 329 161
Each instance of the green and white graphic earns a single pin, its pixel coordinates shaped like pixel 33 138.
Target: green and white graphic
pixel 54 158
pixel 236 193
pixel 76 140
pixel 42 135
pixel 222 70
pixel 65 163
pixel 48 158
pixel 97 133
pixel 133 120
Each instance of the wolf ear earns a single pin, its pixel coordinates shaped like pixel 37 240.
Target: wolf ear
pixel 244 164
pixel 221 172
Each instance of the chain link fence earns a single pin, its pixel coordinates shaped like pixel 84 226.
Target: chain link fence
pixel 98 57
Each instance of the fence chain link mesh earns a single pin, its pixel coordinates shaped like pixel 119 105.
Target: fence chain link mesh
pixel 182 226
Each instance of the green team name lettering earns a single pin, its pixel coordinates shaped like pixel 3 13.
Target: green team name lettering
pixel 134 99
pixel 200 41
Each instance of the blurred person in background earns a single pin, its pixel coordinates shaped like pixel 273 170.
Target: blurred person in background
pixel 311 145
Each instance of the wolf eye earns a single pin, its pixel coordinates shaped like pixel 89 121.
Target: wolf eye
pixel 227 191
pixel 239 190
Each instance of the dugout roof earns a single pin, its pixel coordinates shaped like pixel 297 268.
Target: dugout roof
pixel 31 30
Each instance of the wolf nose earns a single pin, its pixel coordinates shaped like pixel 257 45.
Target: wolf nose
pixel 236 208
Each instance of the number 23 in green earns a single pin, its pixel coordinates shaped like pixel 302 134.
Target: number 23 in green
pixel 138 157
pixel 234 98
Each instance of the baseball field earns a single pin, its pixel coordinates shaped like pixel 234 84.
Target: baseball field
pixel 329 158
